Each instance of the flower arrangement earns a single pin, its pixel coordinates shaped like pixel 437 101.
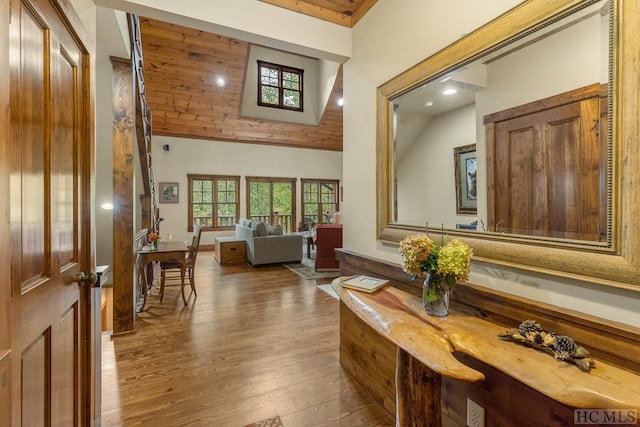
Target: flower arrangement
pixel 153 238
pixel 447 263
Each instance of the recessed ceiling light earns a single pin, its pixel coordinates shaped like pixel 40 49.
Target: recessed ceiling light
pixel 449 91
pixel 220 81
pixel 341 102
pixel 428 104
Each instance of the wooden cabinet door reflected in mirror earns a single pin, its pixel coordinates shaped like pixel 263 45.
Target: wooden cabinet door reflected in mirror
pixel 546 164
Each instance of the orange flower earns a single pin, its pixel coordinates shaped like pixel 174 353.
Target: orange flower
pixel 153 237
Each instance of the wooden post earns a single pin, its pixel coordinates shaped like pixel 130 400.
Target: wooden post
pixel 123 143
pixel 417 393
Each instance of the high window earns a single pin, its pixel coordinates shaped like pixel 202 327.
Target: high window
pixel 319 200
pixel 272 200
pixel 214 201
pixel 279 86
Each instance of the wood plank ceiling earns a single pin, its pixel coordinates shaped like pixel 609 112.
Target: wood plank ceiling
pixel 181 66
pixel 342 12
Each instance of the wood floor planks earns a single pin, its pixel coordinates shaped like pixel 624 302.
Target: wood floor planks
pixel 255 343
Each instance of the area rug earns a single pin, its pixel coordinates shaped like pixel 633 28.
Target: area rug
pixel 306 270
pixel 269 422
pixel 329 289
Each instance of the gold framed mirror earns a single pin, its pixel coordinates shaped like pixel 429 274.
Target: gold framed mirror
pixel 606 249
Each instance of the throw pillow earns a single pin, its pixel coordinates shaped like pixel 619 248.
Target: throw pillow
pixel 274 230
pixel 260 228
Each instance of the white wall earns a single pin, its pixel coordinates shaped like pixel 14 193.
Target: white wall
pixel 86 10
pixel 426 174
pixel 190 156
pixel 112 40
pixel 104 164
pixel 310 115
pixel 327 73
pixel 515 78
pixel 417 29
pixel 109 31
pixel 249 20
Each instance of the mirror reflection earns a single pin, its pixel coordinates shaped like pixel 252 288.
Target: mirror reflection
pixel 514 142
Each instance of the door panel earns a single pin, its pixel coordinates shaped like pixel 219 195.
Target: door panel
pixel 66 373
pixel 36 394
pixel 64 189
pixel 32 206
pixel 547 173
pixel 51 148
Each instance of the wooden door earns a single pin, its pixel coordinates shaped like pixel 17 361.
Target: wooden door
pixel 50 147
pixel 546 163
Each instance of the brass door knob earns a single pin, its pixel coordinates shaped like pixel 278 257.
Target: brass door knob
pixel 86 278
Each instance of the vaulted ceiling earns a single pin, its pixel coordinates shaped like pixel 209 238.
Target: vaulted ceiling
pixel 181 66
pixel 342 12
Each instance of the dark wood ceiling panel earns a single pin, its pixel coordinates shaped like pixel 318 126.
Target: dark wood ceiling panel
pixel 342 12
pixel 181 66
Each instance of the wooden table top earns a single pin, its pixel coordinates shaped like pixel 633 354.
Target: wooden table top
pixel 399 317
pixel 165 246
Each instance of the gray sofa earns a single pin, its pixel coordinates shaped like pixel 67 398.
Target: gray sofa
pixel 267 245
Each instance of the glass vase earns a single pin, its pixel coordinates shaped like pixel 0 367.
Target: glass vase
pixel 155 245
pixel 435 295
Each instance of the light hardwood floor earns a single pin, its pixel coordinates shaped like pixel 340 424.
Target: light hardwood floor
pixel 255 343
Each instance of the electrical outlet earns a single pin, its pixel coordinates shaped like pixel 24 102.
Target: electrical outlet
pixel 475 414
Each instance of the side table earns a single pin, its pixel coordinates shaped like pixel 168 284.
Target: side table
pixel 307 238
pixel 230 250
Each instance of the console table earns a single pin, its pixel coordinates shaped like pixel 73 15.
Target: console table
pixel 425 353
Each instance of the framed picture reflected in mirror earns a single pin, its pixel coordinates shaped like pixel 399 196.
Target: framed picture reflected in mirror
pixel 465 170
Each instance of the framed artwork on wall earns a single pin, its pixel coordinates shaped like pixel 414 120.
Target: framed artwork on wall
pixel 168 192
pixel 465 169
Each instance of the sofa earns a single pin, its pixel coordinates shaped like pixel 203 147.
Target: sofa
pixel 327 238
pixel 266 244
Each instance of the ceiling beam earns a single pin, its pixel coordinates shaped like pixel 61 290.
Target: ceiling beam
pixel 315 11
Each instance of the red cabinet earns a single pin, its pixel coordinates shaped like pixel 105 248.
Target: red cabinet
pixel 328 237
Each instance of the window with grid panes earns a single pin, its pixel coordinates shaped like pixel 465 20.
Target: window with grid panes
pixel 279 86
pixel 272 200
pixel 214 201
pixel 319 200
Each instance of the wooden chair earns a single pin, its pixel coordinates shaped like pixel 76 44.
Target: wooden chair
pixel 179 268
